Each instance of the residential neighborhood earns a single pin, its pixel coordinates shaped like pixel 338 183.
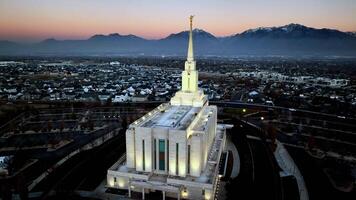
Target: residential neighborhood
pixel 286 83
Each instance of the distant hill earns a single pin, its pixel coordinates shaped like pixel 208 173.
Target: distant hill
pixel 292 39
pixel 288 40
pixel 352 33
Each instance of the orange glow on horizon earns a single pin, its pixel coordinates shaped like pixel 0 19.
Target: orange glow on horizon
pixel 68 19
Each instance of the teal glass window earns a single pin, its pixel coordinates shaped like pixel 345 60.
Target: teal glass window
pixel 161 154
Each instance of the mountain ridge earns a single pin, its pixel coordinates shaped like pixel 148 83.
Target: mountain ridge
pixel 290 39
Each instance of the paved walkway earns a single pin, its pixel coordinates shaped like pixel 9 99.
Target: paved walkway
pixel 100 193
pixel 235 154
pixel 287 164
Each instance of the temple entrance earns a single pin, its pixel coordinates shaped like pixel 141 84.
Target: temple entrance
pixel 154 195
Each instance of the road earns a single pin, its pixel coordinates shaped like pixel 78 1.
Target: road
pixel 259 172
pixel 84 172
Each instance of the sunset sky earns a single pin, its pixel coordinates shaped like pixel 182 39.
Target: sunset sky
pixel 34 20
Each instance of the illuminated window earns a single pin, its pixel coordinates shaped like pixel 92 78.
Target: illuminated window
pixel 155 154
pixel 143 155
pixel 161 156
pixel 167 155
pixel 177 148
pixel 188 159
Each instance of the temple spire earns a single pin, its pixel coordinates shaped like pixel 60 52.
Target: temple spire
pixel 190 74
pixel 190 94
pixel 190 56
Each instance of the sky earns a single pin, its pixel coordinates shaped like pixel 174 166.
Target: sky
pixel 35 20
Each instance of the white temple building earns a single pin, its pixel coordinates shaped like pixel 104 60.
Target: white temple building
pixel 174 149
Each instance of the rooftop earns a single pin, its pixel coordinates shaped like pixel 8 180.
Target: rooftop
pixel 169 116
pixel 203 120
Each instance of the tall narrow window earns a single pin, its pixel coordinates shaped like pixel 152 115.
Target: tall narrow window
pixel 161 156
pixel 177 148
pixel 188 80
pixel 143 156
pixel 155 154
pixel 167 155
pixel 188 159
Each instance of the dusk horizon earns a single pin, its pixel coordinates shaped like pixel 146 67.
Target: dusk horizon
pixel 36 20
pixel 164 36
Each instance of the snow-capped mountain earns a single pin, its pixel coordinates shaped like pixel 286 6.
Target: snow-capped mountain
pixel 294 31
pixel 198 34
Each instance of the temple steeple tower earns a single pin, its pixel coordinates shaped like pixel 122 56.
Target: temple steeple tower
pixel 190 75
pixel 190 94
